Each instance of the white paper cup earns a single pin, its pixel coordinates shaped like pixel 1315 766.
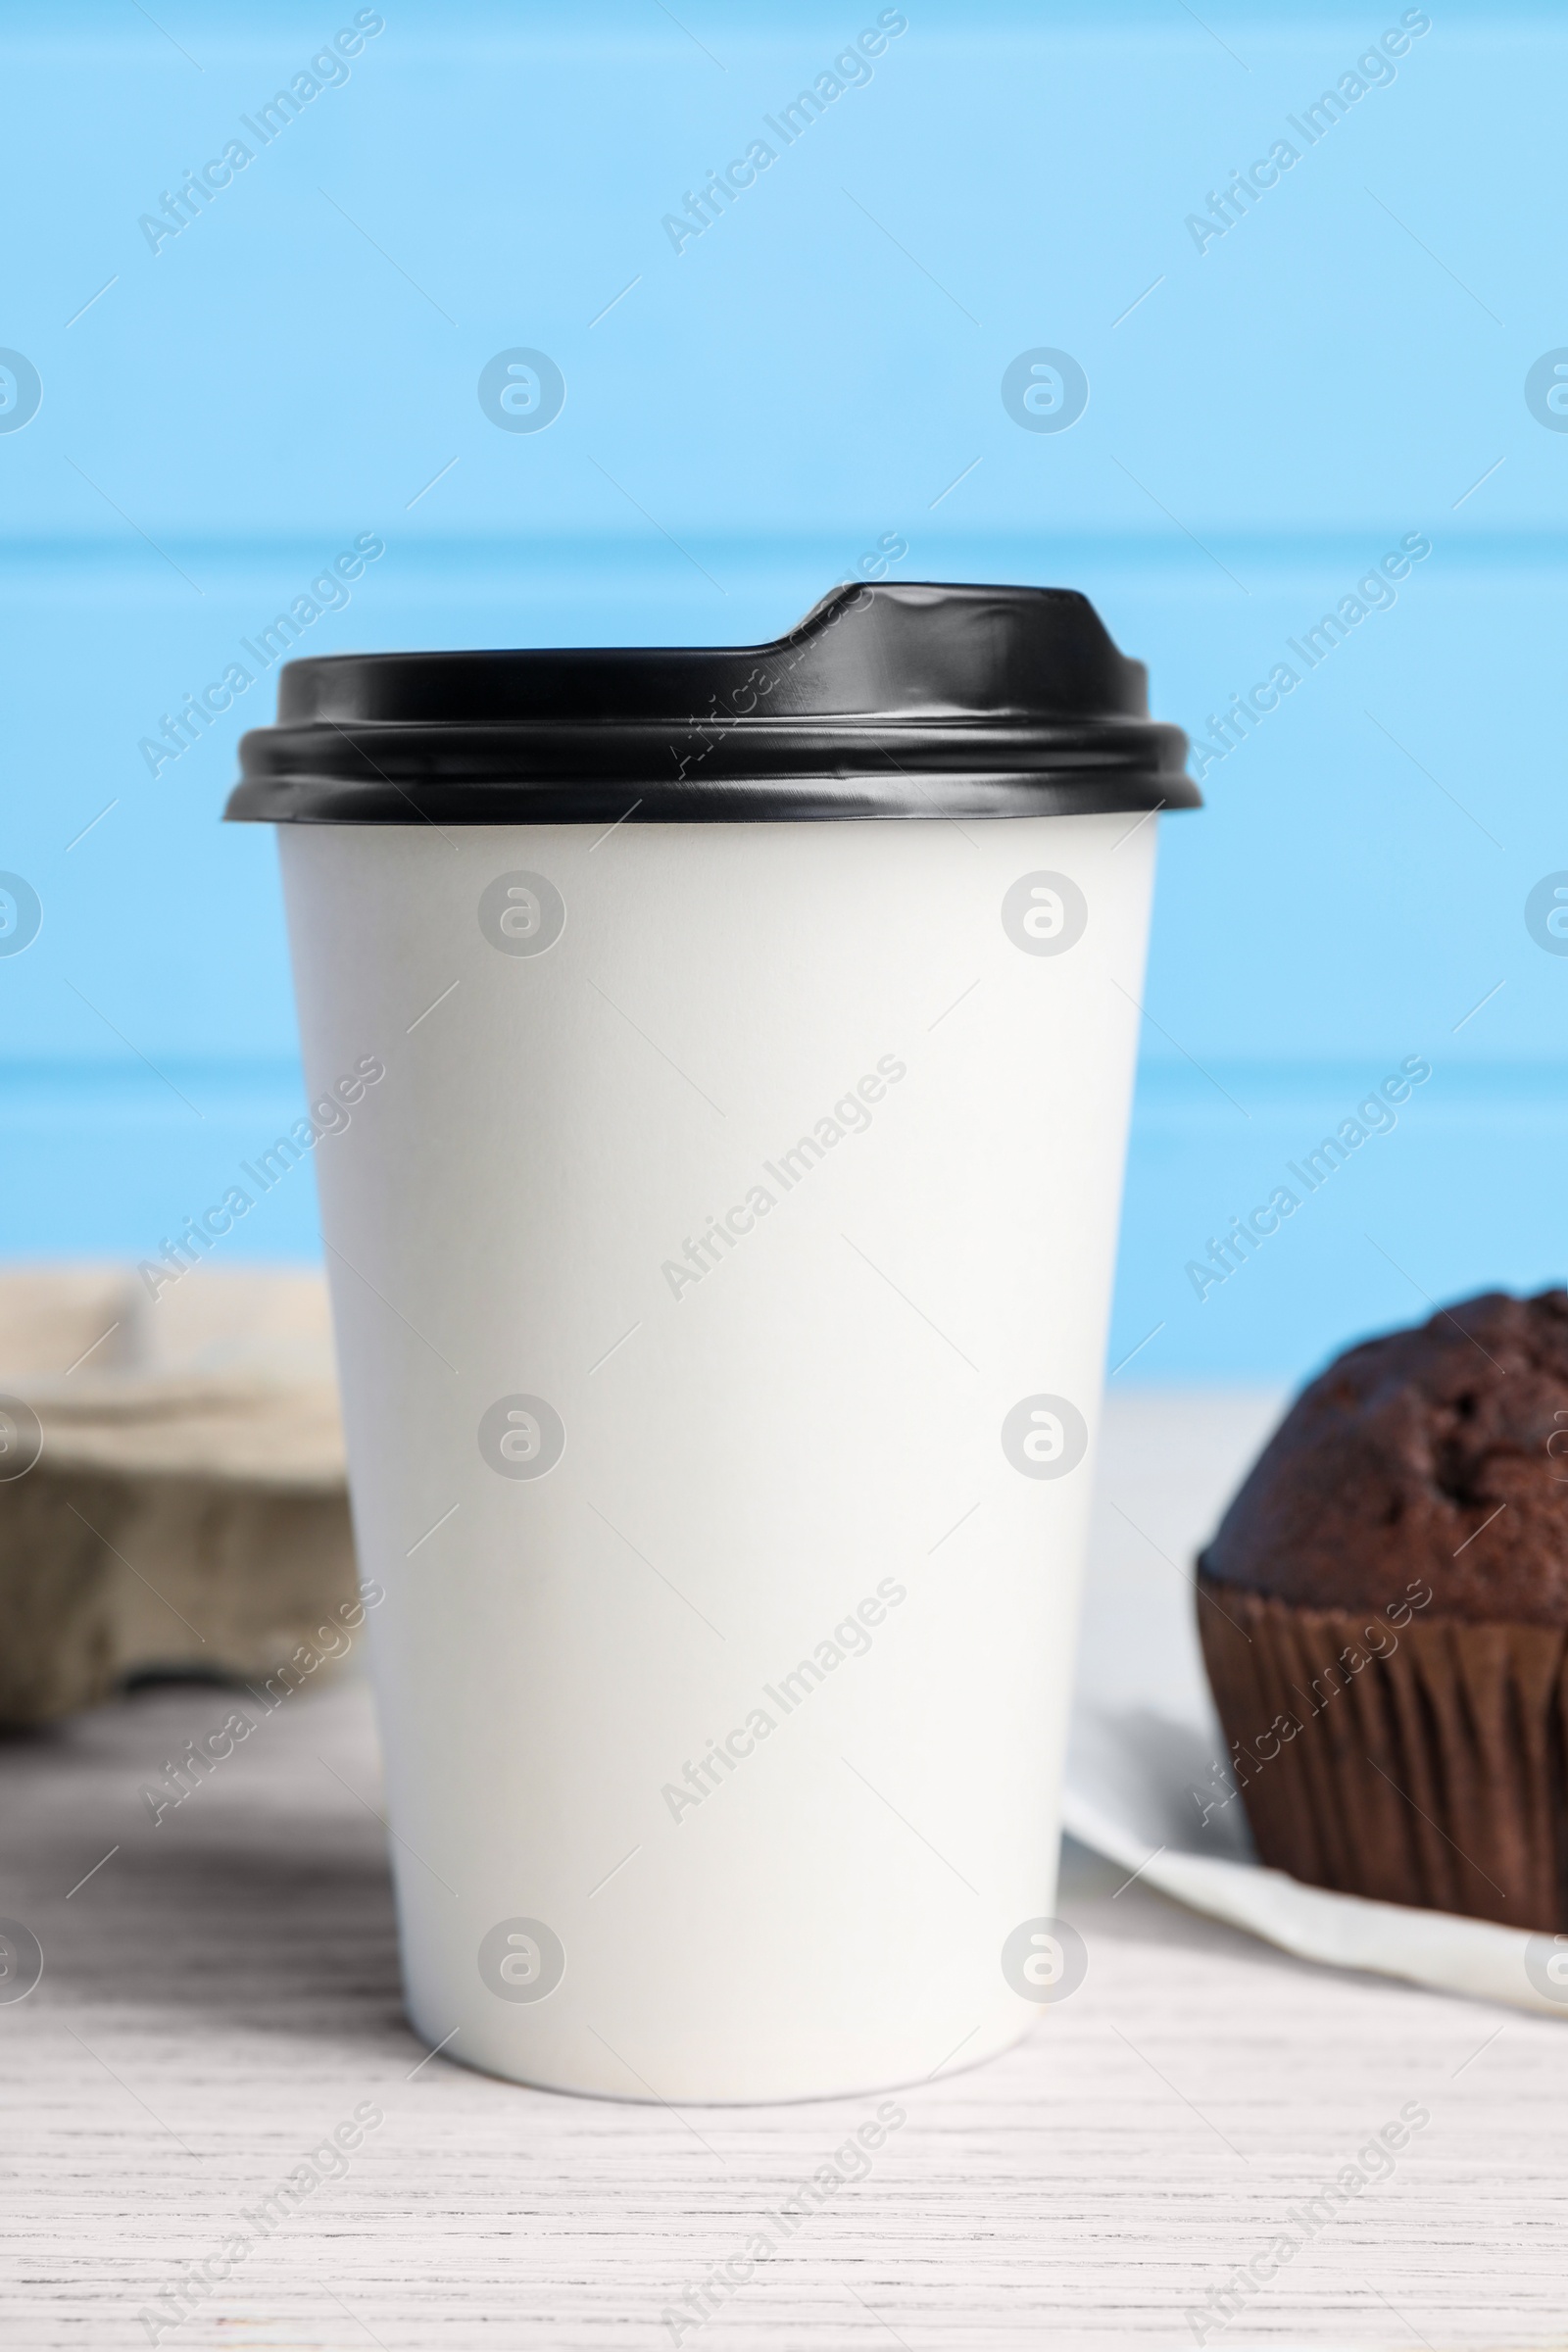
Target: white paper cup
pixel 720 1268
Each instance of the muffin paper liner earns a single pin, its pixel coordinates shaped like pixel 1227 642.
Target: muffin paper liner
pixel 1425 1764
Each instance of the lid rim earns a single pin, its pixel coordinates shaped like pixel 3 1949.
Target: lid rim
pixel 738 799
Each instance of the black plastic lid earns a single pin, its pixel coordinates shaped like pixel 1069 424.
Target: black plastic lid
pixel 908 700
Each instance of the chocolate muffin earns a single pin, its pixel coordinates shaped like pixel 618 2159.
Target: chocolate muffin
pixel 1383 1615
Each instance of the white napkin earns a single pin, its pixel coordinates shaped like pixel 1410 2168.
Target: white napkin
pixel 1147 1758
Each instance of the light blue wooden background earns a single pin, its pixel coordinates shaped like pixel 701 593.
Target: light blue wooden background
pixel 1345 364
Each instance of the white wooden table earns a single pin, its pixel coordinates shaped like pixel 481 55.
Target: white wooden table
pixel 221 1993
